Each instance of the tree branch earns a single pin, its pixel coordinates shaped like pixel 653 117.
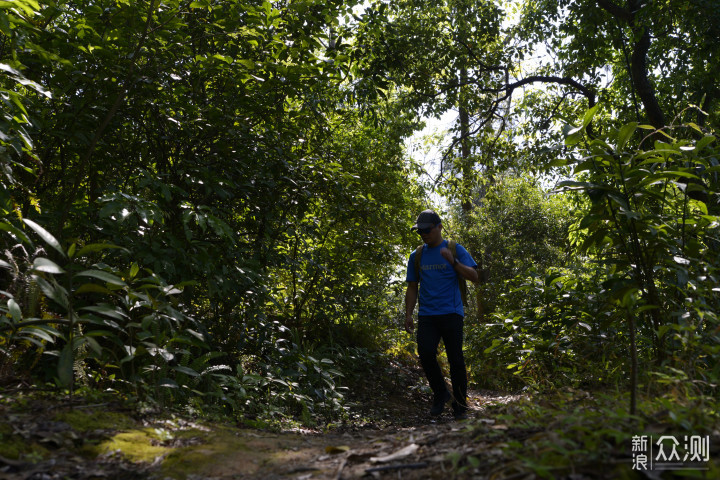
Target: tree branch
pixel 587 92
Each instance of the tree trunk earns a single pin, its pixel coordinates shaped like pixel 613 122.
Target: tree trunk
pixel 645 90
pixel 467 164
pixel 638 59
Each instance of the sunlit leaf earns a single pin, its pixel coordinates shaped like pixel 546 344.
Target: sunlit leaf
pixel 45 235
pixel 102 275
pixel 167 383
pixel 703 142
pixel 14 309
pixel 46 265
pixel 681 260
pixel 624 135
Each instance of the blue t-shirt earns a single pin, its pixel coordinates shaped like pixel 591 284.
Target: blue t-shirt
pixel 439 292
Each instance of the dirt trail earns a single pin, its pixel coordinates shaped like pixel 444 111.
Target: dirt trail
pixel 397 439
pixel 389 435
pixel 420 451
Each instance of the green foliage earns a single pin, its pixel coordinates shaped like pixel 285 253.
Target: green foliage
pixel 79 310
pixel 574 431
pixel 126 331
pixel 424 45
pixel 516 226
pixel 641 295
pixel 17 158
pixel 652 221
pixel 215 143
pixel 560 334
pixel 296 380
pixel 620 52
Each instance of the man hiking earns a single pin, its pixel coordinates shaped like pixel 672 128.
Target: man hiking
pixel 442 267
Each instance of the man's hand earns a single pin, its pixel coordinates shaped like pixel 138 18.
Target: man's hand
pixel 411 295
pixel 409 324
pixel 466 272
pixel 447 255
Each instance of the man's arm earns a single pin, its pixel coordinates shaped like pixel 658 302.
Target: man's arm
pixel 411 295
pixel 469 273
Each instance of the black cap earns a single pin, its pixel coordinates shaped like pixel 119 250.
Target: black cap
pixel 426 219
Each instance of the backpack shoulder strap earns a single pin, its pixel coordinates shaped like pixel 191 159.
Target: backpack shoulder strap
pixel 418 255
pixel 462 283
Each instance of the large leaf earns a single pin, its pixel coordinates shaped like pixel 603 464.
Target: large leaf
pixel 93 288
pixel 703 142
pixel 65 365
pixel 45 235
pixel 104 276
pixel 168 383
pixel 16 232
pixel 44 333
pixel 53 290
pixel 107 311
pixel 14 310
pixel 624 135
pixel 46 265
pixel 186 370
pixel 93 344
pixel 94 248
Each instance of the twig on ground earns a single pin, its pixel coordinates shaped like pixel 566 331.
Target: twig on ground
pixel 401 466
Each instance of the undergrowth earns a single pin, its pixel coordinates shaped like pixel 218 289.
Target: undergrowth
pixel 572 432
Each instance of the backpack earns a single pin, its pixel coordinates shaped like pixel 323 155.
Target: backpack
pixel 462 282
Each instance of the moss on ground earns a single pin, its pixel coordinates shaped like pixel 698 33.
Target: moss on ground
pixel 86 421
pixel 199 458
pixel 244 452
pixel 15 446
pixel 134 445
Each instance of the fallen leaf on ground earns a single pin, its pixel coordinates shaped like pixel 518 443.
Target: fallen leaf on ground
pixel 339 449
pixel 402 453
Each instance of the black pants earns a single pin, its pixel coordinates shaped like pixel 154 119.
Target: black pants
pixel 431 328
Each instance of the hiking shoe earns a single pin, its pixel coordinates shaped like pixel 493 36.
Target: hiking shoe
pixel 439 404
pixel 460 412
pixel 460 415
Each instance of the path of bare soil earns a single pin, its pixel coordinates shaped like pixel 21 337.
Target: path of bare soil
pixel 423 450
pixel 391 436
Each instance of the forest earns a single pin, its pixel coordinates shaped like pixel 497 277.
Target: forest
pixel 205 212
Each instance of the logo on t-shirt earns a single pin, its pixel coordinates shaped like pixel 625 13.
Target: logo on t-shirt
pixel 442 266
